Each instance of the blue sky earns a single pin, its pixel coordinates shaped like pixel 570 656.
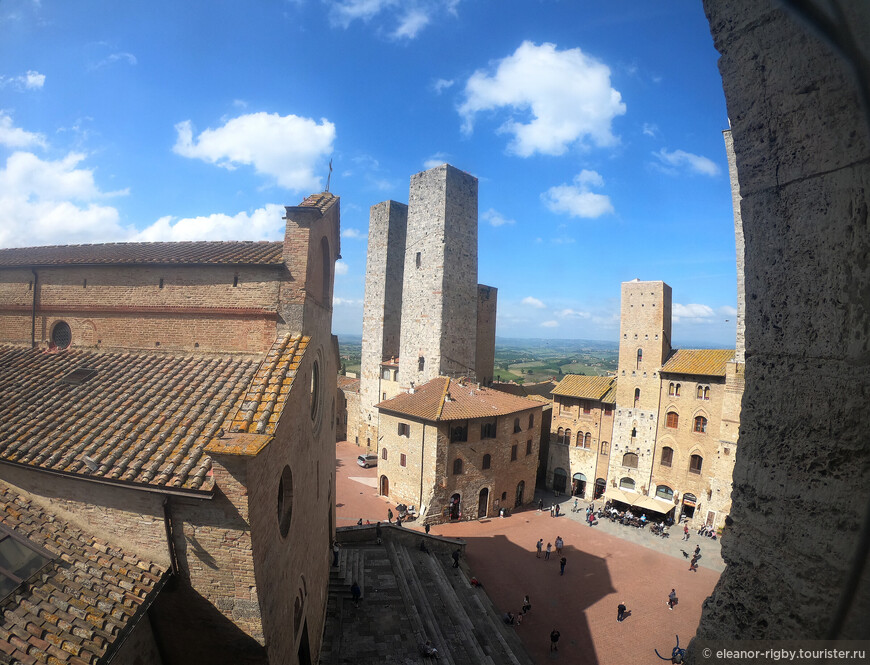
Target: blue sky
pixel 595 129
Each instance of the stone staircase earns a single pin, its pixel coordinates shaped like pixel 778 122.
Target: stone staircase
pixel 408 597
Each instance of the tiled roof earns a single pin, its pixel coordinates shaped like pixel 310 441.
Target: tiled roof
pixel 141 418
pixel 542 388
pixel 323 201
pixel 262 404
pixel 73 609
pixel 139 253
pixel 430 401
pixel 348 384
pixel 702 362
pixel 585 387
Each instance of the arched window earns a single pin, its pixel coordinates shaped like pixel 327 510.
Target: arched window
pixel 639 357
pixel 579 439
pixel 673 419
pixel 457 467
pixel 629 460
pixel 626 484
pixel 383 453
pixel 605 448
pixel 568 437
pixel 487 462
pixel 677 390
pixel 700 392
pixel 671 389
pixel 664 492
pixel 531 420
pixel 421 363
pixel 667 457
pixel 706 392
pixel 636 396
pixel 701 424
pixel 695 463
pixel 587 440
pixel 560 435
pixel 517 427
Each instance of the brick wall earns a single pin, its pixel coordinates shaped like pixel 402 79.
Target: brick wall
pixel 573 456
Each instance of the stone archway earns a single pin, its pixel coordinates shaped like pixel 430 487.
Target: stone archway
pixel 799 125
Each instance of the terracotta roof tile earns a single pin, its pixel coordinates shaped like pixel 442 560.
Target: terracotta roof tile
pixel 430 401
pixel 543 388
pixel 700 362
pixel 142 418
pixel 323 201
pixel 585 387
pixel 73 608
pixel 139 253
pixel 348 384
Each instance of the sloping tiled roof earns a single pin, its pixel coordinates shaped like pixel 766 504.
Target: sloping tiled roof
pixel 430 401
pixel 348 384
pixel 141 418
pixel 542 388
pixel 139 253
pixel 323 201
pixel 701 362
pixel 585 387
pixel 264 400
pixel 72 610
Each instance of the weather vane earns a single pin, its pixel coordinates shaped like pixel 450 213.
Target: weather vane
pixel 329 177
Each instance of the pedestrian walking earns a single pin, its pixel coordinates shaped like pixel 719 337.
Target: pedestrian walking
pixel 539 546
pixel 455 556
pixel 685 532
pixel 620 611
pixel 390 515
pixel 557 510
pixel 541 504
pixel 672 599
pixel 553 510
pixel 527 604
pixel 576 501
pixel 399 521
pixel 698 551
pixel 335 549
pixel 549 549
pixel 562 563
pixel 559 543
pixel 693 564
pixel 590 518
pixel 359 522
pixel 356 592
pixel 427 527
pixel 554 640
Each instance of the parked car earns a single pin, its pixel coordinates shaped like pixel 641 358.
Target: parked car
pixel 365 461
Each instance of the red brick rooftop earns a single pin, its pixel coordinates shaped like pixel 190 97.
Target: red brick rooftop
pixel 74 608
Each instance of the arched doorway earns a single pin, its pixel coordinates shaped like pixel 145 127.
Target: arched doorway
pixel 688 508
pixel 578 485
pixel 521 488
pixel 600 486
pixel 385 486
pixel 453 510
pixel 483 502
pixel 560 480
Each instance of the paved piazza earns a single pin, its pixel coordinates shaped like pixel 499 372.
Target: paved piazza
pixel 606 564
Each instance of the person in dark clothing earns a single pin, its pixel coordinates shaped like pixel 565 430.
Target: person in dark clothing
pixel 455 556
pixel 356 592
pixel 554 640
pixel 427 527
pixel 620 612
pixel 378 532
pixel 390 515
pixel 562 563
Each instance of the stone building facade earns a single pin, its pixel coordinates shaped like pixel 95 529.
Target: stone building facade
pixel 178 399
pixel 457 450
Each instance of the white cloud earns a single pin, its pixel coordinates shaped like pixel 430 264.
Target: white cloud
pixel 284 148
pixel 437 159
pixel 693 313
pixel 409 17
pixel 440 85
pixel 262 224
pixel 576 200
pixel 678 160
pixel 351 233
pixel 533 302
pixel 15 137
pixel 650 129
pixel 550 324
pixel 129 58
pixel 727 310
pixel 340 268
pixel 346 302
pixel 495 218
pixel 573 314
pixel 32 80
pixel 567 93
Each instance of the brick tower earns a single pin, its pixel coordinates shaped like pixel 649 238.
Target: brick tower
pixel 382 308
pixel 439 301
pixel 644 345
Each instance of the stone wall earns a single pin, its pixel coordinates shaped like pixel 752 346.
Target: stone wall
pixel 740 245
pixel 800 494
pixel 574 456
pixel 487 298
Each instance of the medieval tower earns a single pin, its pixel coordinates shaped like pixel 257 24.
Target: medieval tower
pixel 644 346
pixel 439 294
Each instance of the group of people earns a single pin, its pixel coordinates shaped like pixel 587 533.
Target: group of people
pixel 517 619
pixel 539 547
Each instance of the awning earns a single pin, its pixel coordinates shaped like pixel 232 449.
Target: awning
pixel 689 502
pixel 618 495
pixel 648 503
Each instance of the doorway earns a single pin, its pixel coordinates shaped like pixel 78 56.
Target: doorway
pixel 560 480
pixel 453 510
pixel 521 489
pixel 483 503
pixel 385 486
pixel 578 485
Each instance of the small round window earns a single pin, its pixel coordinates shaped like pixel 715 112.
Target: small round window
pixel 285 501
pixel 61 335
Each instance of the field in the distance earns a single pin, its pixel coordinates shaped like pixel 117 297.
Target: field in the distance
pixel 524 360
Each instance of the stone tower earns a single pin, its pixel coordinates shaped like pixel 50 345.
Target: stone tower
pixel 382 307
pixel 644 346
pixel 740 351
pixel 439 295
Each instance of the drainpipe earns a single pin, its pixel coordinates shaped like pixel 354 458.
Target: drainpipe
pixel 422 451
pixel 33 311
pixel 170 541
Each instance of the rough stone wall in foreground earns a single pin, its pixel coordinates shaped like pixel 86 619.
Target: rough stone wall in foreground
pixel 800 479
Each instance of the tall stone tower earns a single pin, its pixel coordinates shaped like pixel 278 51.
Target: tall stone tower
pixel 382 307
pixel 439 300
pixel 644 345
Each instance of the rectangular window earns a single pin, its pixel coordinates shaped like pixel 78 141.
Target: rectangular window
pixel 513 453
pixel 487 430
pixel 587 408
pixel 403 460
pixel 608 411
pixel 404 429
pixel 383 397
pixel 529 447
